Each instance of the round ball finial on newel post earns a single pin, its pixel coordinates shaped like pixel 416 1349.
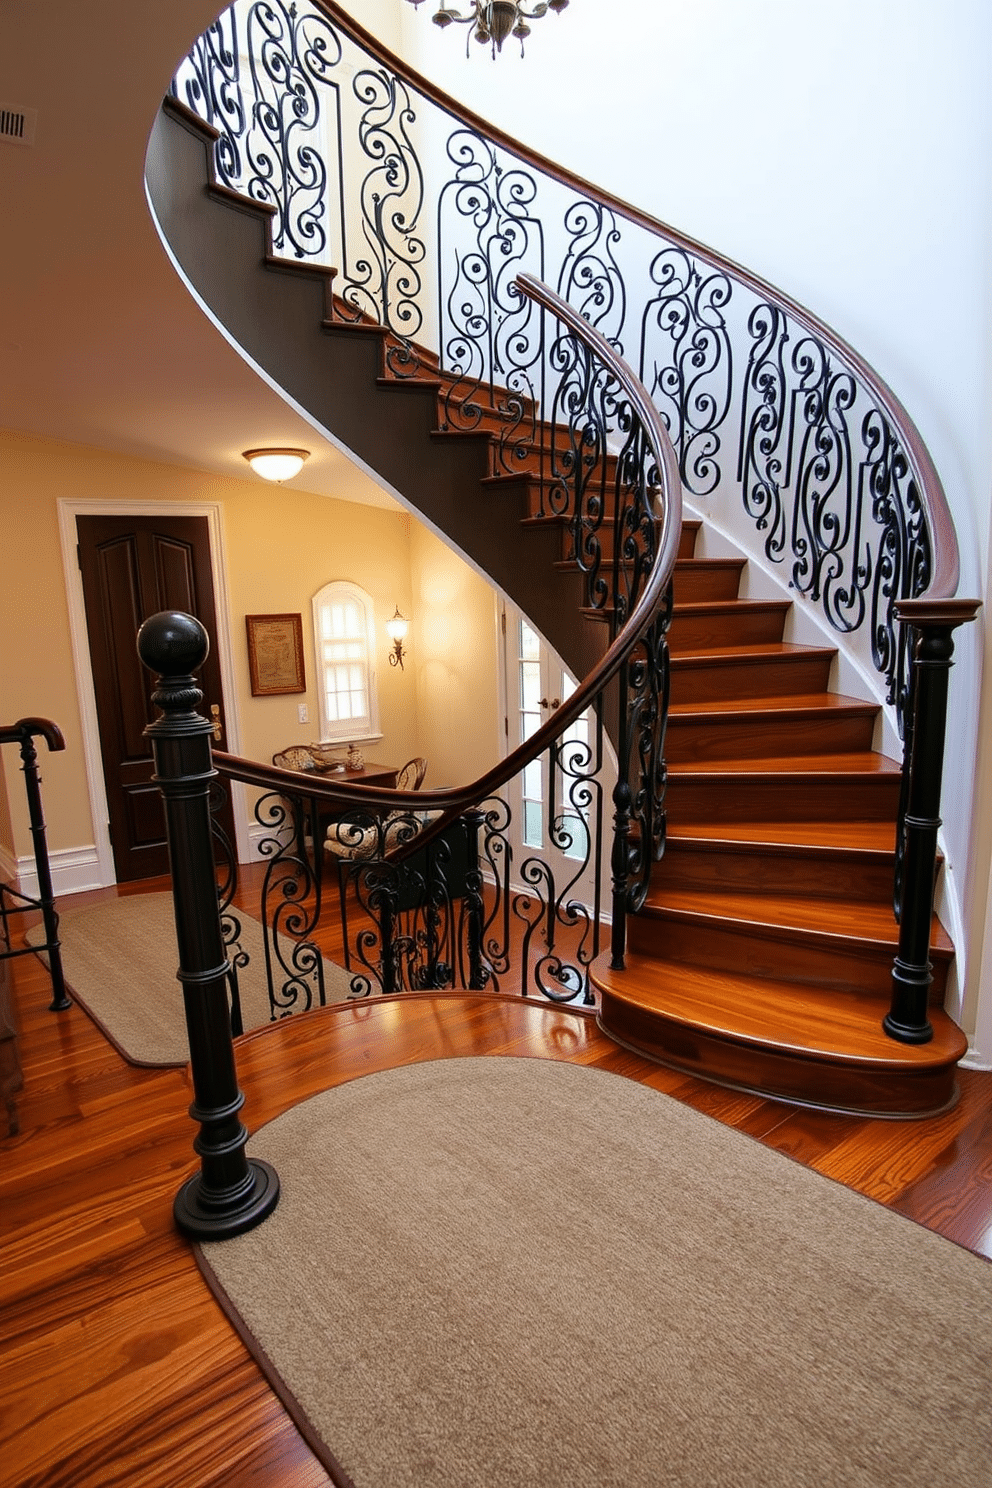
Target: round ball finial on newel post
pixel 231 1193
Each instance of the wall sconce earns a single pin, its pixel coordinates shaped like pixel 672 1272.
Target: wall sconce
pixel 396 629
pixel 276 464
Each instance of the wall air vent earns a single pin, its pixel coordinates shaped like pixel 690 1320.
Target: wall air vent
pixel 17 125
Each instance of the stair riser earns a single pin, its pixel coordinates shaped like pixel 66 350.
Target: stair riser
pixel 698 581
pixel 749 737
pixel 754 798
pixel 739 627
pixel 516 453
pixel 537 508
pixel 778 1074
pixel 765 676
pixel 749 869
pixel 605 536
pixel 864 969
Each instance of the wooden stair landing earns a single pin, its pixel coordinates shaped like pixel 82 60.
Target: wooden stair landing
pixel 782 1041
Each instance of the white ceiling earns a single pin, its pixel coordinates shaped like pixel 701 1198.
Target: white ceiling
pixel 100 343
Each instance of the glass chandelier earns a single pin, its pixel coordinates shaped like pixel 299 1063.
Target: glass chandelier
pixel 492 21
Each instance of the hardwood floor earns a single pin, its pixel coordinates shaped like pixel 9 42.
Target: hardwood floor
pixel 116 1366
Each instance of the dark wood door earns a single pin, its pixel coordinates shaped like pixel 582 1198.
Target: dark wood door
pixel 133 567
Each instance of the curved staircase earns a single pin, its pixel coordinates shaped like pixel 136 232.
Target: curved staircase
pixel 762 956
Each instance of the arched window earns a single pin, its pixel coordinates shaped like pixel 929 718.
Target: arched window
pixel 344 646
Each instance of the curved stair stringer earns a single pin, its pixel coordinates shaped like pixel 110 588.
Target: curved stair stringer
pixel 277 315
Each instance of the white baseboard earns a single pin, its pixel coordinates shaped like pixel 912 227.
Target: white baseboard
pixel 975 1060
pixel 74 871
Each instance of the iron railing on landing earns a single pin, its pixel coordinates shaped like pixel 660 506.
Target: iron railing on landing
pixel 430 218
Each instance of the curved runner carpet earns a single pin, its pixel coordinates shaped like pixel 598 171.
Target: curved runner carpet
pixel 120 960
pixel 498 1272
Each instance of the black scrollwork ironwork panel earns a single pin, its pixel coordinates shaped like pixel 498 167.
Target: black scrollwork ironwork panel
pixel 648 689
pixel 904 561
pixel 491 339
pixel 450 915
pixel 291 902
pixel 209 82
pixel 829 561
pixel 410 931
pixel 602 477
pixel 291 56
pixel 263 76
pixel 686 362
pixel 761 465
pixel 383 280
pixel 826 481
pixel 590 278
pixel 543 921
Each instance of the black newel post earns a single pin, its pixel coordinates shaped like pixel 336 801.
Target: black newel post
pixel 230 1194
pixel 933 648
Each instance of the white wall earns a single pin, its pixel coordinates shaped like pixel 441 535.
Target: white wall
pixel 840 151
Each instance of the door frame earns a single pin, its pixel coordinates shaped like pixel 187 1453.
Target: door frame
pixel 68 510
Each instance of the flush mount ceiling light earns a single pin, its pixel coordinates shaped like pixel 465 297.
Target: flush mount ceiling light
pixel 492 21
pixel 276 464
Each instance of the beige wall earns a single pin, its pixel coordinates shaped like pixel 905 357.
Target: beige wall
pixel 36 676
pixel 6 825
pixel 454 652
pixel 281 545
pixel 977 1010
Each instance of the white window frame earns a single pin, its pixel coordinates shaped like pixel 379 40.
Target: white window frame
pixel 345 731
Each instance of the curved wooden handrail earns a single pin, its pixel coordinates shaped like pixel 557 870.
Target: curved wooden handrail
pixel 451 802
pixel 946 563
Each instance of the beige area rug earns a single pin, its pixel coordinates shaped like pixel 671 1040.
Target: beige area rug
pixel 120 961
pixel 499 1272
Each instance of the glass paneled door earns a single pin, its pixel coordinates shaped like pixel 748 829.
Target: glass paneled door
pixel 559 804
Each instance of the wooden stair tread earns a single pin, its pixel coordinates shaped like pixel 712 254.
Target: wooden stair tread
pixel 815 766
pixel 418 382
pixel 726 606
pixel 847 836
pixel 803 704
pixel 746 653
pixel 839 919
pixel 720 607
pixel 714 565
pixel 776 1016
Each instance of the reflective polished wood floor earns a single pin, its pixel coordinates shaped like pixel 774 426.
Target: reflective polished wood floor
pixel 117 1367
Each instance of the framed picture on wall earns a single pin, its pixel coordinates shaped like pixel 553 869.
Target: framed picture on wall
pixel 275 654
